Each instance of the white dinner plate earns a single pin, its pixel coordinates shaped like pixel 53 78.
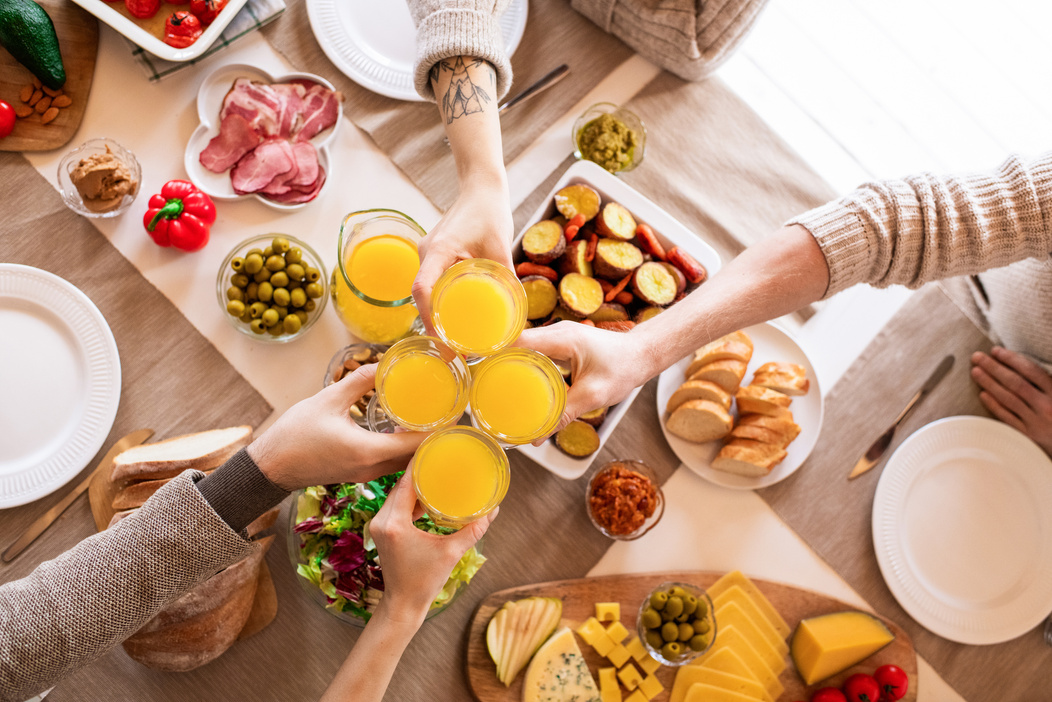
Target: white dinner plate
pixel 770 343
pixel 60 379
pixel 374 43
pixel 962 529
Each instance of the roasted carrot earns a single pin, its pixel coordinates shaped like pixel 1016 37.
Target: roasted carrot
pixel 649 242
pixel 588 322
pixel 624 298
pixel 574 226
pixel 529 268
pixel 693 271
pixel 609 297
pixel 593 242
pixel 606 285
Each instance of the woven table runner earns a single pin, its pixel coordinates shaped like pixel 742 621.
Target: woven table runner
pixel 411 134
pixel 834 516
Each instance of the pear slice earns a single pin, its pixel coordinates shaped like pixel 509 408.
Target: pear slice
pixel 517 630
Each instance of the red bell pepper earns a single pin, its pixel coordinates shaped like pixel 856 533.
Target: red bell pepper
pixel 182 29
pixel 206 10
pixel 180 216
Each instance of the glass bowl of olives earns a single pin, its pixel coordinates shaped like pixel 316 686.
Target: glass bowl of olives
pixel 675 623
pixel 272 287
pixel 610 135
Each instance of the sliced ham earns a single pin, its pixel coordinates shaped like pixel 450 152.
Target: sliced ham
pixel 269 160
pixel 301 194
pixel 260 104
pixel 321 109
pixel 235 139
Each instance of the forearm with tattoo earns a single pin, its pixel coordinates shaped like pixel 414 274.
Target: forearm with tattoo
pixel 463 86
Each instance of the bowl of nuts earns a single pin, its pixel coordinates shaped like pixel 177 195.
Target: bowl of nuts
pixel 675 623
pixel 272 287
pixel 346 361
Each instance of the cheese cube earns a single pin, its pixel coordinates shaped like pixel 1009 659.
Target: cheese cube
pixel 630 677
pixel 603 645
pixel 637 696
pixel 608 611
pixel 636 649
pixel 651 687
pixel 609 691
pixel 650 664
pixel 591 630
pixel 617 632
pixel 619 656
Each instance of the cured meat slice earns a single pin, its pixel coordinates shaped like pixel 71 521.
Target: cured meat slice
pixel 272 158
pixel 301 194
pixel 320 110
pixel 260 104
pixel 235 139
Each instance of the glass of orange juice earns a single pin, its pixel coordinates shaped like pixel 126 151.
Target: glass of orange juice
pixel 478 307
pixel 372 286
pixel 517 396
pixel 421 384
pixel 460 474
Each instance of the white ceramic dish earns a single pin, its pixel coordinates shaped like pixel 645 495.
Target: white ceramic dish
pixel 669 231
pixel 962 529
pixel 210 101
pixel 61 380
pixel 374 44
pixel 770 343
pixel 123 25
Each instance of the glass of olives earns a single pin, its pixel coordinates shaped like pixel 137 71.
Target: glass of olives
pixel 272 287
pixel 675 623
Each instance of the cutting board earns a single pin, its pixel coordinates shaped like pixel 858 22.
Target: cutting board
pixel 579 598
pixel 78 40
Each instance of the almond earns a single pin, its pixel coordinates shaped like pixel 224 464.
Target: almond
pixel 42 105
pixel 26 93
pixel 51 93
pixel 62 101
pixel 23 110
pixel 49 115
pixel 35 97
pixel 37 84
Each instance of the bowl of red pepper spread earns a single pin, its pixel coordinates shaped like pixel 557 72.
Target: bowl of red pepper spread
pixel 624 499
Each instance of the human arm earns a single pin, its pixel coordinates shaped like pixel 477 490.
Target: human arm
pixel 416 565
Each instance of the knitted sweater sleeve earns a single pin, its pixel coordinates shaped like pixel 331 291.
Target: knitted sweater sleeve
pixel 928 227
pixel 447 28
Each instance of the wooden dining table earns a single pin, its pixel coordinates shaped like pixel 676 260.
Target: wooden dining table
pixel 705 526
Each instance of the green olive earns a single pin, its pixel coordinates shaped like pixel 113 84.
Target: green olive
pixel 298 297
pixel 686 632
pixel 235 293
pixel 669 631
pixel 650 618
pixel 292 325
pixel 235 308
pixel 265 291
pixel 703 608
pixel 294 269
pixel 674 606
pixel 690 603
pixel 263 275
pixel 282 311
pixel 257 326
pixel 658 600
pixel 677 591
pixel 281 297
pixel 654 640
pixel 275 263
pixel 268 252
pixel 239 280
pixel 699 642
pixel 701 626
pixel 279 279
pixel 293 284
pixel 237 263
pixel 271 317
pixel 294 255
pixel 280 244
pixel 246 317
pixel 672 650
pixel 276 330
pixel 310 306
pixel 313 274
pixel 257 309
pixel 666 616
pixel 253 263
pixel 252 291
pixel 302 315
pixel 315 290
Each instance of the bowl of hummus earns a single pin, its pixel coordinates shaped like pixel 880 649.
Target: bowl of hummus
pixel 99 178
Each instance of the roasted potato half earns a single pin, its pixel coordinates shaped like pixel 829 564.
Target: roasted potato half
pixel 580 294
pixel 544 242
pixel 577 200
pixel 653 284
pixel 578 439
pixel 615 259
pixel 647 313
pixel 596 417
pixel 681 280
pixel 609 312
pixel 575 259
pixel 541 296
pixel 616 222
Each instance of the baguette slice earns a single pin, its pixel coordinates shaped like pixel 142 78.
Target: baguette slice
pixel 788 378
pixel 699 421
pixel 699 390
pixel 749 458
pixel 760 400
pixel 727 374
pixel 136 494
pixel 736 346
pixel 166 459
pixel 784 426
pixel 761 434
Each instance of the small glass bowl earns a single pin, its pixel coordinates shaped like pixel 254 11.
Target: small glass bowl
pixel 659 509
pixel 310 257
pixel 336 366
pixel 629 118
pixel 689 654
pixel 94 147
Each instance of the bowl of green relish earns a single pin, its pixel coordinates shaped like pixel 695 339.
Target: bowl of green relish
pixel 611 136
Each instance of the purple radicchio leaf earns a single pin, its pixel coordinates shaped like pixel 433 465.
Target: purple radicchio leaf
pixel 348 553
pixel 311 525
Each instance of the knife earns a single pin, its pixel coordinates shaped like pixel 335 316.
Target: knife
pixel 542 84
pixel 45 520
pixel 872 456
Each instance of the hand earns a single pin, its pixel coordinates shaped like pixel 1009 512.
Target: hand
pixel 416 563
pixel 605 365
pixel 478 225
pixel 317 443
pixel 1017 391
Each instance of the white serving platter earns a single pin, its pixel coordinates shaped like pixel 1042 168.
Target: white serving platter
pixel 669 231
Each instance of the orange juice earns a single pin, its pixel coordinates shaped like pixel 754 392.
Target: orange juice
pixel 517 396
pixel 478 307
pixel 459 474
pixel 420 389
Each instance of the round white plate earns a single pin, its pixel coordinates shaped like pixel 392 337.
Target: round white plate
pixel 962 529
pixel 770 343
pixel 374 43
pixel 61 380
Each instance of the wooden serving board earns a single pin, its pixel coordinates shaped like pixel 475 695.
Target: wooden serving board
pixel 78 40
pixel 579 598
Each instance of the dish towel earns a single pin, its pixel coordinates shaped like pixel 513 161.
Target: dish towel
pixel 255 14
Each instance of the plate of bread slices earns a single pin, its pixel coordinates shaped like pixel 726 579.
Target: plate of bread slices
pixel 745 410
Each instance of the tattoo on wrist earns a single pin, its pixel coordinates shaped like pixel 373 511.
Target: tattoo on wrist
pixel 465 94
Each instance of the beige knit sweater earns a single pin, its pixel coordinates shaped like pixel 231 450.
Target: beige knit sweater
pixel 995 227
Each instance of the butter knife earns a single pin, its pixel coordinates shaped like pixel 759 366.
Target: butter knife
pixel 873 455
pixel 45 520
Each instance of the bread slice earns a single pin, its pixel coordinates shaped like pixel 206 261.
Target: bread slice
pixel 136 494
pixel 788 378
pixel 166 459
pixel 749 458
pixel 699 421
pixel 761 434
pixel 699 390
pixel 727 373
pixel 736 346
pixel 760 400
pixel 783 426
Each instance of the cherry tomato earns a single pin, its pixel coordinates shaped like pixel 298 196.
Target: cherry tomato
pixel 7 119
pixel 862 688
pixel 828 694
pixel 143 9
pixel 893 682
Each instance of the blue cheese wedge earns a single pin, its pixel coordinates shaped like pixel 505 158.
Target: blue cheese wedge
pixel 559 673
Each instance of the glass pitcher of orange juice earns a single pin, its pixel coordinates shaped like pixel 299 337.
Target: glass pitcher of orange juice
pixel 372 286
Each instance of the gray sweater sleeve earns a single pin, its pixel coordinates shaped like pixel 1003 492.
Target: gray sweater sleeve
pixel 447 28
pixel 73 609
